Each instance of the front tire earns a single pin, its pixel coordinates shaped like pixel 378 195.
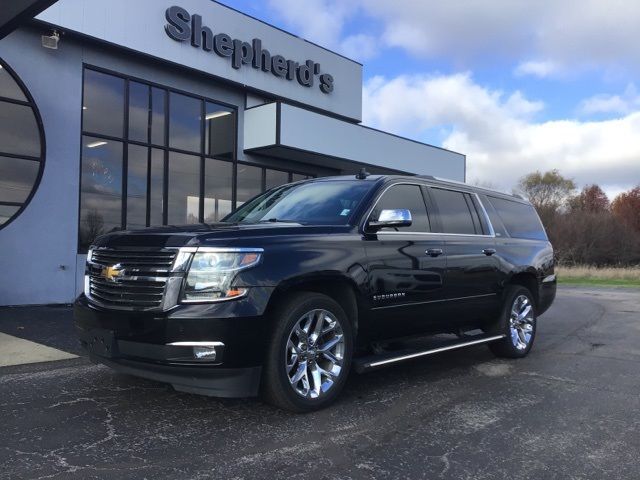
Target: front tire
pixel 309 354
pixel 518 321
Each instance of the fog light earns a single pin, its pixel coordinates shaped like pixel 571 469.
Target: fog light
pixel 205 353
pixel 202 351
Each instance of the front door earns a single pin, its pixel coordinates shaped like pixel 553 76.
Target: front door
pixel 406 268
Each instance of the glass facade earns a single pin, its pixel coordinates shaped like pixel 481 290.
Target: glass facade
pixel 21 147
pixel 253 180
pixel 153 156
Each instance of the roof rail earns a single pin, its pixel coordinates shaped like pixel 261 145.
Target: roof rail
pixel 426 177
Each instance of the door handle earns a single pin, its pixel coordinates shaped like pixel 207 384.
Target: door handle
pixel 489 251
pixel 434 252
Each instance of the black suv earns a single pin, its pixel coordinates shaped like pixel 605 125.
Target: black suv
pixel 303 282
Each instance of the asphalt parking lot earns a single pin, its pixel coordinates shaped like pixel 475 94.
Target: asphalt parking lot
pixel 569 411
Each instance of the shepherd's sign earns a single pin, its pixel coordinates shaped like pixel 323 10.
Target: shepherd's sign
pixel 182 26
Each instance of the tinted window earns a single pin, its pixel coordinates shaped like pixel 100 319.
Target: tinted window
pixel 101 188
pixel 520 219
pixel 275 178
pixel 158 101
pixel 156 188
pixel 455 214
pixel 103 104
pixel 6 212
pixel 217 189
pixel 496 222
pixel 249 182
pixel 407 197
pixel 220 131
pixel 296 177
pixel 17 177
pixel 138 112
pixel 184 189
pixel 184 122
pixel 137 187
pixel 21 151
pixel 19 132
pixel 180 183
pixel 8 87
pixel 314 203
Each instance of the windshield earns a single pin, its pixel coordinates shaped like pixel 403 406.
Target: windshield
pixel 311 203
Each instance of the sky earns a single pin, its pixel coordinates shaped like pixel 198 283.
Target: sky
pixel 517 86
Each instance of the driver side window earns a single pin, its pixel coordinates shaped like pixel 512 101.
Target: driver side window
pixel 407 197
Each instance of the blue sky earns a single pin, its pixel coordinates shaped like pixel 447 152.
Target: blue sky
pixel 515 86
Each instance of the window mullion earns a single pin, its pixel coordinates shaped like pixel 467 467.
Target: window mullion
pixel 125 157
pixel 202 160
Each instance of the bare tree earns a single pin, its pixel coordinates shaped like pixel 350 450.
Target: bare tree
pixel 548 192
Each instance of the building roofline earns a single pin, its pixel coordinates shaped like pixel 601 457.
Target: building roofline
pixel 412 140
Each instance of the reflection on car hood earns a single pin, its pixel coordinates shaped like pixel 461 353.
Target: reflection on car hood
pixel 216 234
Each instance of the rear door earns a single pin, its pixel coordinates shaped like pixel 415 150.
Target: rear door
pixel 472 275
pixel 406 267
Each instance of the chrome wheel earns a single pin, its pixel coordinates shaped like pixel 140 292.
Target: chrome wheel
pixel 315 353
pixel 521 322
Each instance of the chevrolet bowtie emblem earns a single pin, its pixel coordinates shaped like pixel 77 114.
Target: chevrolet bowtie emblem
pixel 111 273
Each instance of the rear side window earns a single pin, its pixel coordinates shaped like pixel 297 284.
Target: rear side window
pixel 496 222
pixel 457 212
pixel 407 197
pixel 520 219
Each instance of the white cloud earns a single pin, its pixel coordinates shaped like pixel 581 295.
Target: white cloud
pixel 323 22
pixel 499 133
pixel 559 35
pixel 538 68
pixel 320 21
pixel 360 47
pixel 590 33
pixel 623 104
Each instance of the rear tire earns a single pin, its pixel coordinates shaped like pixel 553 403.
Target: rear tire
pixel 518 322
pixel 309 353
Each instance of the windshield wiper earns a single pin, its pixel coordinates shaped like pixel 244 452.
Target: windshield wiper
pixel 279 220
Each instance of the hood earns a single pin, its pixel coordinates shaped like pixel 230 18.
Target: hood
pixel 216 234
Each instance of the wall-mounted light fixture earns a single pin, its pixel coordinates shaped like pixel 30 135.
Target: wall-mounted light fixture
pixel 96 144
pixel 51 41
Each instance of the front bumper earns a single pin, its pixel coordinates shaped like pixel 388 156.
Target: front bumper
pixel 139 343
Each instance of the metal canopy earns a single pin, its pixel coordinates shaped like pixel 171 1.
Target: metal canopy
pixel 15 13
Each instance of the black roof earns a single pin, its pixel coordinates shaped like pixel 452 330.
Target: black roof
pixel 431 180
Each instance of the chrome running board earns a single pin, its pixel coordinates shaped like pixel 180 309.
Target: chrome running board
pixel 378 361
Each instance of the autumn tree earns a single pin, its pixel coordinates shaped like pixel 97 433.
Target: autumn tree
pixel 626 208
pixel 591 199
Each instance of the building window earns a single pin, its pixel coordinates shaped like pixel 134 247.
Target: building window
pixel 249 182
pixel 151 156
pixel 21 146
pixel 275 178
pixel 253 180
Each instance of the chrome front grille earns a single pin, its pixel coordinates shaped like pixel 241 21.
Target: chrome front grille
pixel 129 279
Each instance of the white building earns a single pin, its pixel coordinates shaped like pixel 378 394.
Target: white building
pixel 154 112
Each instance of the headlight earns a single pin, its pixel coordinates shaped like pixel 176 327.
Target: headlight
pixel 212 272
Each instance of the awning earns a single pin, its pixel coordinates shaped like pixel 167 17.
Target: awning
pixel 15 13
pixel 292 133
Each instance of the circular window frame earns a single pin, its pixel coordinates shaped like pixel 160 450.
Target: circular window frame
pixel 43 144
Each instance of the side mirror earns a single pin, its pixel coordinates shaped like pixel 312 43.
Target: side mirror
pixel 391 219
